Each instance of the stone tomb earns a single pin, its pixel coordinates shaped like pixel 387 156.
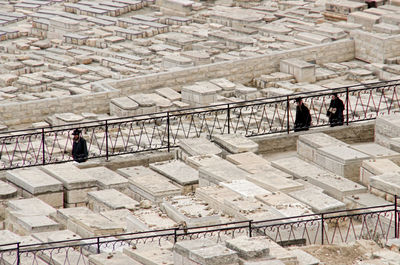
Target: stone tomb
pixel 77 183
pixel 236 143
pixel 203 251
pixel 302 70
pixel 203 160
pixel 318 201
pixel 386 185
pixel 245 188
pixel 28 216
pixel 149 219
pixel 375 167
pixel 33 182
pixel 151 255
pixel 220 171
pixel 307 144
pixel 332 184
pixel 197 95
pixel 181 174
pixel 154 190
pixel 7 192
pixel 274 182
pixel 376 151
pixel 114 258
pixel 110 199
pixel 190 210
pixel 197 146
pixel 341 160
pixel 247 158
pixel 107 179
pixel 387 127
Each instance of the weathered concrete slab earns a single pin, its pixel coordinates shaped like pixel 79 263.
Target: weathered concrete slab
pixel 114 258
pixel 219 172
pixel 204 160
pixel 364 200
pixel 236 143
pixel 273 182
pixel 31 207
pixel 118 217
pixel 110 199
pixel 7 191
pixel 63 215
pixel 93 224
pixel 387 183
pixel 154 190
pixel 149 219
pixel 318 201
pixel 375 167
pixel 387 127
pixel 249 248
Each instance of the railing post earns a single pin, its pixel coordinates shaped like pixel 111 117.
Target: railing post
pixel 322 229
pixel 396 218
pixel 287 114
pixel 175 235
pixel 228 113
pixel 169 142
pixel 43 151
pixel 347 106
pixel 18 255
pixel 107 141
pixel 98 245
pixel 250 221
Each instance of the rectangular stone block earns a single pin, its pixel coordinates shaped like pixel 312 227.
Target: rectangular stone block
pixel 376 151
pixel 307 144
pixel 107 179
pixel 77 195
pixel 110 199
pixel 236 143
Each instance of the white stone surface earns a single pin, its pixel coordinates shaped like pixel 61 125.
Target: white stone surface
pixel 235 143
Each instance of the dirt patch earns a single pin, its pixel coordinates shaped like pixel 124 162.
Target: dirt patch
pixel 343 254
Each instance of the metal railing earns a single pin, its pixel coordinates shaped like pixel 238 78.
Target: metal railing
pixel 378 223
pixel 163 130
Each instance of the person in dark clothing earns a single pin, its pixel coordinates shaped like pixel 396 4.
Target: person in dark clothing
pixel 303 116
pixel 79 148
pixel 335 111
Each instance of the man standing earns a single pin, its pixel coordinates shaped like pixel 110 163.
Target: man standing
pixel 335 111
pixel 303 116
pixel 79 148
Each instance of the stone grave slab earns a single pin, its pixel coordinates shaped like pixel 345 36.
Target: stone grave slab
pixel 154 190
pixel 218 172
pixel 386 184
pixel 236 143
pixel 304 258
pixel 376 151
pixel 274 182
pixel 118 217
pixel 249 248
pixel 169 93
pixel 319 202
pixel 341 160
pixel 180 173
pixel 375 167
pixel 302 70
pixel 31 207
pixel 63 215
pixel 247 158
pixel 264 169
pixel 203 251
pixel 387 127
pixel 364 200
pixel 76 182
pixel 54 236
pixel 197 95
pixel 107 179
pixel 149 219
pixel 204 160
pixel 110 199
pixel 198 146
pixel 154 255
pixel 307 144
pixel 190 210
pixel 34 224
pixel 93 224
pixel 245 188
pixel 114 258
pixel 215 196
pixel 285 204
pixel 297 167
pixel 33 182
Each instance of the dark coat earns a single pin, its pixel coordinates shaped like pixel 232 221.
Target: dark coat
pixel 336 118
pixel 79 150
pixel 303 118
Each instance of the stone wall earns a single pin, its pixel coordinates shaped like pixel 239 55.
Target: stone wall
pixel 243 71
pixel 354 133
pixel 375 48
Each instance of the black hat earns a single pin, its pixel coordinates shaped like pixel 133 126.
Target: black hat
pixel 76 132
pixel 298 99
pixel 334 94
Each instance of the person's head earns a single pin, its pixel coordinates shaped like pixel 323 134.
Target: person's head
pixel 299 101
pixel 334 96
pixel 76 134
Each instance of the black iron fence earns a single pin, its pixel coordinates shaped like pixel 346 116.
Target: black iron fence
pixel 163 130
pixel 378 223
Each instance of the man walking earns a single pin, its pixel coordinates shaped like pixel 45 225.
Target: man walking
pixel 303 116
pixel 335 111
